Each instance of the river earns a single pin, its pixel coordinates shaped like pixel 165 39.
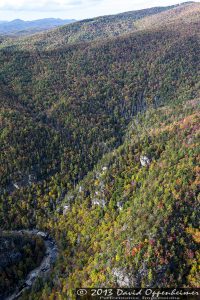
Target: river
pixel 43 269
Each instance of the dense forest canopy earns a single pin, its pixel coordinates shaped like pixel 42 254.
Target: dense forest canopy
pixel 99 147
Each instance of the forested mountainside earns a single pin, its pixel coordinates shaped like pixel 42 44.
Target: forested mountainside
pixel 99 147
pixel 19 27
pixel 100 84
pixel 133 220
pixel 185 14
pixel 98 28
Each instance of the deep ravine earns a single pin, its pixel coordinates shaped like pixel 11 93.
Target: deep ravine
pixel 43 269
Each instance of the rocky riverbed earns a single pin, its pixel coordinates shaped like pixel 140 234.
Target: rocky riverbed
pixel 41 271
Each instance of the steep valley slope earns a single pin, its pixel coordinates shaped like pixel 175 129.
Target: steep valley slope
pixel 99 146
pixel 100 84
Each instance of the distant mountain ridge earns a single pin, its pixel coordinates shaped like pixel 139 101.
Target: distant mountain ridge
pixel 21 27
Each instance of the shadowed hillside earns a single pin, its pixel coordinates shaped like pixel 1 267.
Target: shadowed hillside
pixel 18 255
pixel 101 84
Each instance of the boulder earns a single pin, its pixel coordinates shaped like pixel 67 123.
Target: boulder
pixel 121 277
pixel 65 209
pixel 99 202
pixel 120 205
pixel 145 161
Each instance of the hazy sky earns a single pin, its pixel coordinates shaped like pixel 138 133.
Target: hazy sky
pixel 75 9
